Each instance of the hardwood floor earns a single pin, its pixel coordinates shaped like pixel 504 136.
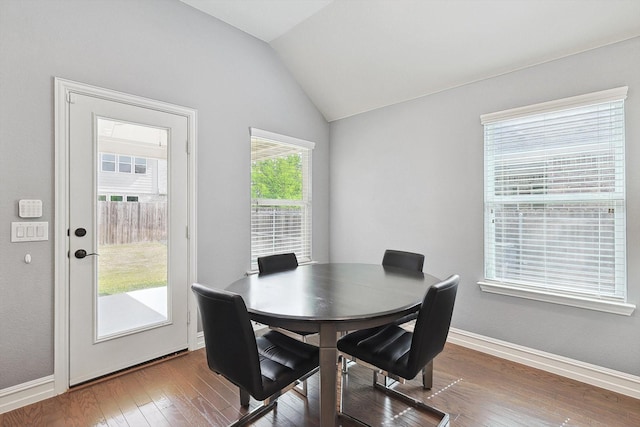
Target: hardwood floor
pixel 476 390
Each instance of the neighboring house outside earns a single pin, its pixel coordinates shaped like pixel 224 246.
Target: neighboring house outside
pixel 125 178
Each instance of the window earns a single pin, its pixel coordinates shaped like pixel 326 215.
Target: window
pixel 280 196
pixel 140 165
pixel 555 200
pixel 124 164
pixel 108 162
pixel 117 198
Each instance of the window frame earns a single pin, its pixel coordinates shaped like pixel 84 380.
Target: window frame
pixel 304 255
pixel 535 292
pixel 113 162
pixel 129 163
pixel 137 163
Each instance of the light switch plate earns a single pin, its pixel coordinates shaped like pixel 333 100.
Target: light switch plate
pixel 29 231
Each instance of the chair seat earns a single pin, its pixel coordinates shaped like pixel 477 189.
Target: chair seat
pixel 386 347
pixel 282 361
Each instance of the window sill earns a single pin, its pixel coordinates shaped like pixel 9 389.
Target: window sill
pixel 621 308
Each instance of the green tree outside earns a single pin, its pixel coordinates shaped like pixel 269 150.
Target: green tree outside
pixel 279 178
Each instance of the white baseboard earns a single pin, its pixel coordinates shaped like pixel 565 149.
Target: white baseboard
pixel 26 393
pixel 598 376
pixel 200 340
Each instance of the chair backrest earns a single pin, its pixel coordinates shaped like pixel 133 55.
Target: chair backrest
pixel 229 337
pixel 275 263
pixel 402 259
pixel 432 326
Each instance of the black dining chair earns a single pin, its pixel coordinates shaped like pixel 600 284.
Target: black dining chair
pixel 400 354
pixel 271 264
pixel 410 261
pixel 401 259
pixel 276 263
pixel 264 367
pixel 407 261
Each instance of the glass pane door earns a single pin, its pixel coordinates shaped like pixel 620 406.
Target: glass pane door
pixel 132 232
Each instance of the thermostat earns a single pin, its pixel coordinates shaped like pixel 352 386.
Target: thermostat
pixel 30 208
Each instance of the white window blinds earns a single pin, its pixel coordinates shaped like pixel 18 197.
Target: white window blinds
pixel 280 196
pixel 555 196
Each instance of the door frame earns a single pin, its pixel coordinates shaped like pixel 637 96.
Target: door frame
pixel 62 90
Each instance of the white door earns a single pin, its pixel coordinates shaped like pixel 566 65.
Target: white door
pixel 128 238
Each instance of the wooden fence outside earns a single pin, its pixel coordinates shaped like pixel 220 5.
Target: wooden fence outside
pixel 131 222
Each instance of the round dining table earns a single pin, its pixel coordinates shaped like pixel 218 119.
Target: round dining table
pixel 328 299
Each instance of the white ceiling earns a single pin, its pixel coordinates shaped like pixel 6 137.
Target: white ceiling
pixel 264 19
pixel 352 56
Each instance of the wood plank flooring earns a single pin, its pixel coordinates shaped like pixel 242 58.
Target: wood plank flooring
pixel 476 390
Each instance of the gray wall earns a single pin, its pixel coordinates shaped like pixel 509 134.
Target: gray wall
pixel 410 176
pixel 160 49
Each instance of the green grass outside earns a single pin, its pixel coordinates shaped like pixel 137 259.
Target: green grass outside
pixel 132 266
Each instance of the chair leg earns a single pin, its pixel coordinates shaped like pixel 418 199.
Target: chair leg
pixel 267 404
pixel 388 379
pixel 244 397
pixel 444 417
pixel 340 378
pixel 256 413
pixel 301 386
pixel 386 387
pixel 346 362
pixel 340 384
pixel 427 376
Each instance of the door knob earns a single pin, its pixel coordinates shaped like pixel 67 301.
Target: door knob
pixel 80 232
pixel 81 253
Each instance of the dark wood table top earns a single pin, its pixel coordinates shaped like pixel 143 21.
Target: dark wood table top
pixel 349 295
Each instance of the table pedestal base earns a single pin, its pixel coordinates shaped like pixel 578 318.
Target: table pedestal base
pixel 328 368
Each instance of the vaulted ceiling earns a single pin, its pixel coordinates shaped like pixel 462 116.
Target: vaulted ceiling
pixel 352 56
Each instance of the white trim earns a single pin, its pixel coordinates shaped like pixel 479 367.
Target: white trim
pixel 63 89
pixel 27 393
pixel 192 200
pixel 281 139
pixel 621 308
pixel 609 379
pixel 199 341
pixel 558 104
pixel 61 247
